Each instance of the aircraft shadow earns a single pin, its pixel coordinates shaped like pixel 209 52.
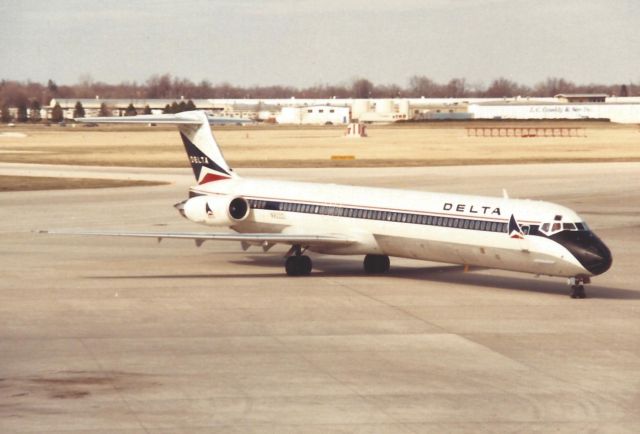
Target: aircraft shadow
pixel 352 268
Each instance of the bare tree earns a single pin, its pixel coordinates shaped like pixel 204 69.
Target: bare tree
pixel 553 86
pixel 13 93
pixel 387 91
pixel 361 88
pixel 421 86
pixel 503 87
pixel 624 91
pixel 456 88
pixel 159 87
pixel 52 86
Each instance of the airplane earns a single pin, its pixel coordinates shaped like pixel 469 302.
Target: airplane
pixel 536 237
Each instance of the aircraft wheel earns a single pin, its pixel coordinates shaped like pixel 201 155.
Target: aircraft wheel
pixel 376 264
pixel 298 266
pixel 305 265
pixel 577 291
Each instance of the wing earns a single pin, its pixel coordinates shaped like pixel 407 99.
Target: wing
pixel 264 239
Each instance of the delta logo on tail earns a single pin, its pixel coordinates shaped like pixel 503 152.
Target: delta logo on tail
pixel 204 168
pixel 514 229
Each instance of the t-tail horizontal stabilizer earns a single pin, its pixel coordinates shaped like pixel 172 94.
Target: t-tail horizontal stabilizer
pixel 204 154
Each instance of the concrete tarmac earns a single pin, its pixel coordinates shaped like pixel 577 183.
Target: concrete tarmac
pixel 110 335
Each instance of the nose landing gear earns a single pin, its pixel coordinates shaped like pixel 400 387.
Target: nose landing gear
pixel 577 286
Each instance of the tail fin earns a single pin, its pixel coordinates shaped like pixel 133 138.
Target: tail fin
pixel 203 151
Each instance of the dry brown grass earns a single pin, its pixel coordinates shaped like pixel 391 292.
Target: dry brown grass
pixel 277 146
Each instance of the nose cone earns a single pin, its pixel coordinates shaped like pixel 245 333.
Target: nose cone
pixel 587 248
pixel 597 257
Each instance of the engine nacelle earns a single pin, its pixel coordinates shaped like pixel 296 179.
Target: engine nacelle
pixel 215 210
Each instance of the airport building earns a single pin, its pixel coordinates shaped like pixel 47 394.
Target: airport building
pixel 614 112
pixel 314 114
pixel 343 111
pixel 118 107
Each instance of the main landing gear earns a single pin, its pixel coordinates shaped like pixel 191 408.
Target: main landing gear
pixel 577 286
pixel 297 264
pixel 376 264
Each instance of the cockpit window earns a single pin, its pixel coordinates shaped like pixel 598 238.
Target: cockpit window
pixel 556 226
pixel 582 226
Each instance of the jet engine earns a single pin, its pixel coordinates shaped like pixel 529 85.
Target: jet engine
pixel 214 210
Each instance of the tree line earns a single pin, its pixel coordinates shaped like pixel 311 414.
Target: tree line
pixel 30 96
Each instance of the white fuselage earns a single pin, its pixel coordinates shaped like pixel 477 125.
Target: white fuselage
pixel 441 227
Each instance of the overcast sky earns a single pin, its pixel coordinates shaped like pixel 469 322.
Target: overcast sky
pixel 301 43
